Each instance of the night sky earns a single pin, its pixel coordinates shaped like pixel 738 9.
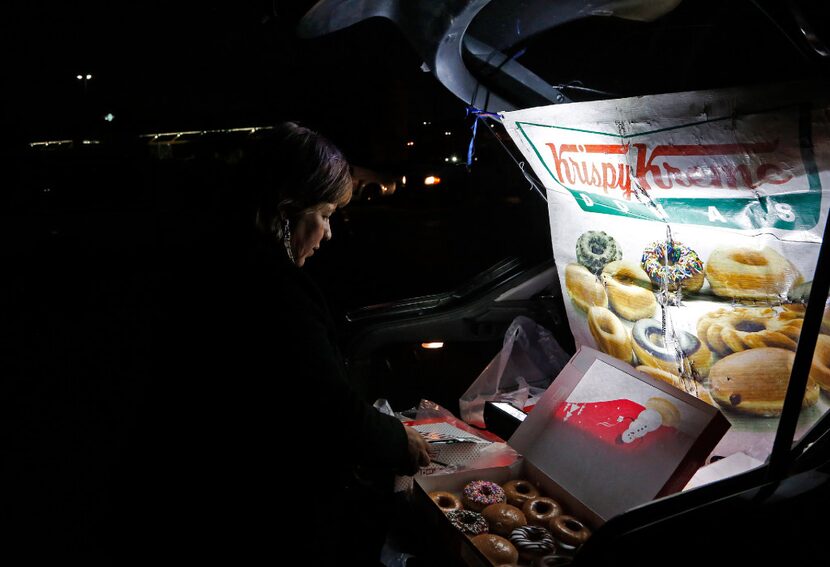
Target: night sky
pixel 167 66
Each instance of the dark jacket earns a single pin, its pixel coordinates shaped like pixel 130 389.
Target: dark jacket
pixel 251 421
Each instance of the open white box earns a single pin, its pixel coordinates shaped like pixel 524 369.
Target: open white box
pixel 603 438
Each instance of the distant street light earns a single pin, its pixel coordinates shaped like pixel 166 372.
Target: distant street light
pixel 85 78
pixel 83 109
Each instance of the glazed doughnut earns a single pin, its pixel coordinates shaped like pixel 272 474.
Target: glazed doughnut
pixel 479 494
pixel 693 360
pixel 518 492
pixel 583 287
pixel 447 501
pixel 595 249
pixel 755 381
pixel 609 333
pixel 629 290
pixel 569 531
pixel 468 522
pixel 496 549
pixel 503 518
pixel 669 413
pixel 729 330
pixel 748 273
pixel 552 561
pixel 683 267
pixel 539 511
pixel 532 542
pixel 820 370
pixel 688 385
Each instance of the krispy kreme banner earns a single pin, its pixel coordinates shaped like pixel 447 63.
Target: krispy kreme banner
pixel 686 228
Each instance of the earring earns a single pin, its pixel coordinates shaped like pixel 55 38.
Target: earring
pixel 286 238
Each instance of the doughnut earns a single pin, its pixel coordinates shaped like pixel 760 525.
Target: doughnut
pixel 503 518
pixel 583 287
pixel 820 370
pixel 658 412
pixel 518 492
pixel 468 522
pixel 693 359
pixel 748 273
pixel 629 290
pixel 447 501
pixel 532 542
pixel 729 330
pixel 669 413
pixel 595 249
pixel 755 381
pixel 552 561
pixel 496 549
pixel 609 333
pixel 539 511
pixel 479 494
pixel 687 385
pixel 683 267
pixel 569 531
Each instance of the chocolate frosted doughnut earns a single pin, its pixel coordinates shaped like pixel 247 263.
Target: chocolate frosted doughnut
pixel 552 561
pixel 690 354
pixel 496 549
pixel 503 518
pixel 468 522
pixel 532 542
pixel 595 249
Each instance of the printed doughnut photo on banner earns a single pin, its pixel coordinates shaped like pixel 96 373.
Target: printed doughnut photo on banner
pixel 687 229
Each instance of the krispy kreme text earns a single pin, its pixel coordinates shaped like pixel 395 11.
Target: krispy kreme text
pixel 583 165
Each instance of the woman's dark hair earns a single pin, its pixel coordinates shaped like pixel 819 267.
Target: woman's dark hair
pixel 291 168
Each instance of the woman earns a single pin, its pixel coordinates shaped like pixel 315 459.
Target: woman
pixel 253 422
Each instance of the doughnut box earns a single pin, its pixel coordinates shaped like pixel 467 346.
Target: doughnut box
pixel 604 438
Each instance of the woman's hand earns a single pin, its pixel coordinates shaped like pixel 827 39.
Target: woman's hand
pixel 418 450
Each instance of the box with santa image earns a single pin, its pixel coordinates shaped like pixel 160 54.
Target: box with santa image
pixel 604 438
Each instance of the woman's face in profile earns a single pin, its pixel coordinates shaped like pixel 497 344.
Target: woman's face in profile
pixel 311 229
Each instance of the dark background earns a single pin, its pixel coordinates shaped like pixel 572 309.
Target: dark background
pixel 162 67
pixel 89 233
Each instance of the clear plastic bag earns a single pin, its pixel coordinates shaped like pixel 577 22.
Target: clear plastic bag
pixel 530 358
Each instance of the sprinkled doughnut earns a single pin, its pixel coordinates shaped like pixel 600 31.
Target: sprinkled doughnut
pixel 468 522
pixel 447 501
pixel 479 494
pixel 595 249
pixel 539 511
pixel 532 542
pixel 681 266
pixel 518 492
pixel 569 531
